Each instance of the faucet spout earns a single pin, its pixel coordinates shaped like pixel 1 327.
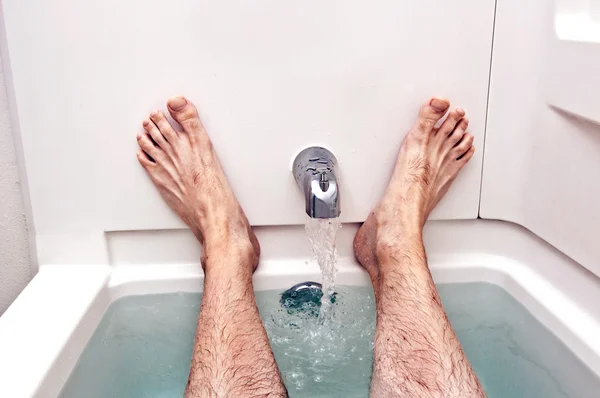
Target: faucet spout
pixel 315 171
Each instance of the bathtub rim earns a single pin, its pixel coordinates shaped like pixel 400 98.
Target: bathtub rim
pixel 500 253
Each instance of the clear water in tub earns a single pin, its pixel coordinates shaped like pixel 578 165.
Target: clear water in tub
pixel 142 347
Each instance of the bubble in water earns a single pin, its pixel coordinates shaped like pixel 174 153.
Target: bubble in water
pixel 321 356
pixel 296 377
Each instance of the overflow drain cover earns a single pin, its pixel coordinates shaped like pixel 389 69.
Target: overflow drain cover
pixel 304 297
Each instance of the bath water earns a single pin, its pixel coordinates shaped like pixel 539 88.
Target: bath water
pixel 321 235
pixel 143 345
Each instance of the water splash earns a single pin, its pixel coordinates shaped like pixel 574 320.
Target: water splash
pixel 324 359
pixel 321 235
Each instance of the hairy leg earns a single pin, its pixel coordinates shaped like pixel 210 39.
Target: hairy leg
pixel 417 353
pixel 232 356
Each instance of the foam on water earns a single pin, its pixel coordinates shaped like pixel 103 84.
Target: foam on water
pixel 143 345
pixel 315 357
pixel 321 235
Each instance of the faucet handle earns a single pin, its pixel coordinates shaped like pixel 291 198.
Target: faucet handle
pixel 324 182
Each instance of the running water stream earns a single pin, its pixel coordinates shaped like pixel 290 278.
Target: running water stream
pixel 321 235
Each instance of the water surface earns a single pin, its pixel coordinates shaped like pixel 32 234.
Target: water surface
pixel 143 345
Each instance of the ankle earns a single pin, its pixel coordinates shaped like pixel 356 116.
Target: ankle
pixel 228 245
pixel 221 229
pixel 398 218
pixel 394 244
pixel 229 261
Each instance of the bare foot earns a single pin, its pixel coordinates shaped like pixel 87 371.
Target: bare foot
pixel 428 162
pixel 186 171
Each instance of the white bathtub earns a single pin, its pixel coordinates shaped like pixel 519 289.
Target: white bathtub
pixel 43 333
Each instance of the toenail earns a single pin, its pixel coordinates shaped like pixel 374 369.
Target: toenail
pixel 177 103
pixel 460 111
pixel 154 113
pixel 145 123
pixel 139 136
pixel 439 105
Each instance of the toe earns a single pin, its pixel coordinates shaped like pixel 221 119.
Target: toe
pixel 145 142
pixel 431 113
pixel 451 121
pixel 165 128
pixel 144 159
pixel 185 113
pixel 155 133
pixel 457 133
pixel 464 159
pixel 463 146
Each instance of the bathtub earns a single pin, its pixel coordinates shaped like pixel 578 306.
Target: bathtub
pixel 46 329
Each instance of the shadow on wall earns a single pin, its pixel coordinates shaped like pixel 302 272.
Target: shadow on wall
pixel 15 269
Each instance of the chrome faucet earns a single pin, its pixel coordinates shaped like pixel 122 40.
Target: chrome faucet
pixel 315 171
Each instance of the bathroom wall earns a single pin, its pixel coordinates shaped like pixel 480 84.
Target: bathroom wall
pixel 15 270
pixel 86 75
pixel 349 77
pixel 270 77
pixel 542 154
